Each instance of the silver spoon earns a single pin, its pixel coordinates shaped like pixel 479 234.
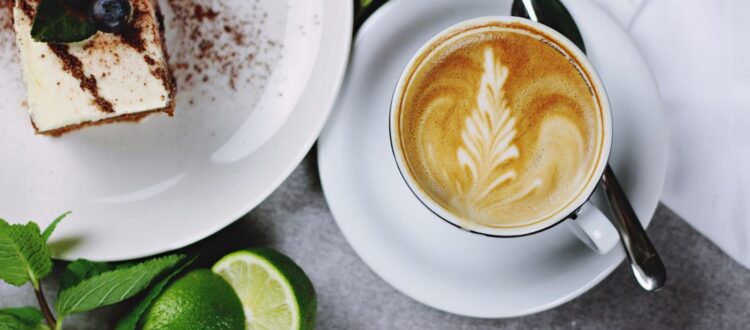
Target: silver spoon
pixel 646 264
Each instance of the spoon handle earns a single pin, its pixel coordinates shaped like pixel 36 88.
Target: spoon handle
pixel 552 14
pixel 645 262
pixel 363 9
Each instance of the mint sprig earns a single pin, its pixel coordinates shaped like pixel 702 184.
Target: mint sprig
pixel 81 269
pixel 113 286
pixel 57 22
pixel 84 285
pixel 51 228
pixel 24 255
pixel 22 318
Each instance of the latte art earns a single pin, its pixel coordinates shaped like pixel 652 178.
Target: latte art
pixel 488 137
pixel 500 127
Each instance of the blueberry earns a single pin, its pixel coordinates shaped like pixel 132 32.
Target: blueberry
pixel 110 15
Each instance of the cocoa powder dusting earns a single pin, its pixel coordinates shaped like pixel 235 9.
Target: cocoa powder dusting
pixel 132 35
pixel 160 73
pixel 6 25
pixel 215 37
pixel 201 13
pixel 6 14
pixel 149 60
pixel 73 65
pixel 28 8
pixel 163 73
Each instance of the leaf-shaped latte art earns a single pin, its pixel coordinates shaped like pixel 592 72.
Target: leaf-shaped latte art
pixel 488 135
pixel 500 131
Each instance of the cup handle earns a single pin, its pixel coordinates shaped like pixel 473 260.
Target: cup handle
pixel 594 229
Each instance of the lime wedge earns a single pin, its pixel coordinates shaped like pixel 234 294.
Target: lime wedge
pixel 275 292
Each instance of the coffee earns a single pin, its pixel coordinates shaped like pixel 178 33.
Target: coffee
pixel 499 124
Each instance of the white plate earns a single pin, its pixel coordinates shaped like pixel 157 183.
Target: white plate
pixel 142 189
pixel 431 261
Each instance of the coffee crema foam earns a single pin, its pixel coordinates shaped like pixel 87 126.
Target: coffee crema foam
pixel 500 126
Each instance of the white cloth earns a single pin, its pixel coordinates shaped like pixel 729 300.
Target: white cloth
pixel 699 52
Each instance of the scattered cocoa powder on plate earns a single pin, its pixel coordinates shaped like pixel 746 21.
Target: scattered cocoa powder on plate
pixel 6 19
pixel 8 52
pixel 215 37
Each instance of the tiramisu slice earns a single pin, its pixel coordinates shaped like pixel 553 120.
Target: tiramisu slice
pixel 119 73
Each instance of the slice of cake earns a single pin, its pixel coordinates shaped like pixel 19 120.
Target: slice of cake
pixel 109 77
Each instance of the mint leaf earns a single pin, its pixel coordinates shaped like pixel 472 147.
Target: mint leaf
pixel 112 286
pixel 130 321
pixel 22 318
pixel 24 255
pixel 51 228
pixel 56 23
pixel 81 269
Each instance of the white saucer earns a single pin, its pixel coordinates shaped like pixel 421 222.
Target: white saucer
pixel 431 261
pixel 146 188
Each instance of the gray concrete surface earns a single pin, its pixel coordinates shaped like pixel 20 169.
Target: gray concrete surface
pixel 706 289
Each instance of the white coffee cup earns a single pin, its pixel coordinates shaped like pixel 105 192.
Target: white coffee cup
pixel 584 219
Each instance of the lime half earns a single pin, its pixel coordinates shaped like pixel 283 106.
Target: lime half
pixel 275 292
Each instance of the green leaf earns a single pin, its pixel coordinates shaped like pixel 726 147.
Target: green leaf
pixel 24 255
pixel 51 228
pixel 56 23
pixel 112 286
pixel 81 269
pixel 22 318
pixel 130 321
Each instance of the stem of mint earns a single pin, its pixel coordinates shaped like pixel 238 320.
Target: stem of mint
pixel 46 311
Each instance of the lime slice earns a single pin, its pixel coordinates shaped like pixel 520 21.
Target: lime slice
pixel 275 292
